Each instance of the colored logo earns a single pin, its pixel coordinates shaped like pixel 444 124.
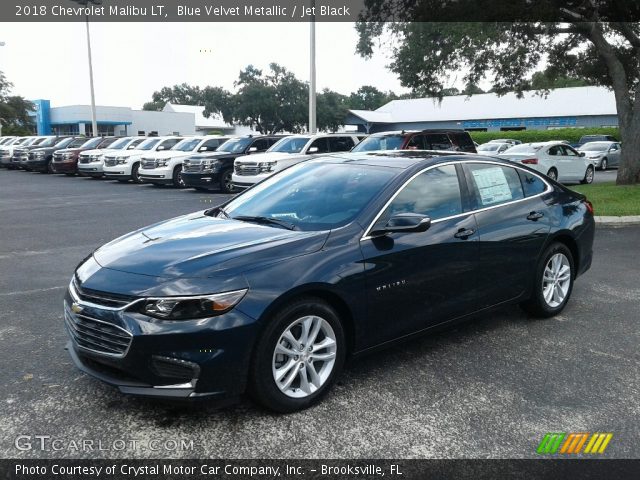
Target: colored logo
pixel 573 443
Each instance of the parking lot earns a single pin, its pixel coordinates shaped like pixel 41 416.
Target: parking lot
pixel 491 387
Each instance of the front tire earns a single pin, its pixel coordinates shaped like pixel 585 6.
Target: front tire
pixel 226 185
pixel 135 173
pixel 553 282
pixel 178 182
pixel 298 357
pixel 588 175
pixel 604 164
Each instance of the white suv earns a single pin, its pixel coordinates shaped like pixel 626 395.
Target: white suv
pixel 165 168
pixel 124 165
pixel 91 162
pixel 249 170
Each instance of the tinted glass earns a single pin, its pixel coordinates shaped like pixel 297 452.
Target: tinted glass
pixel 133 145
pixel 435 193
pixel 380 142
pixel 77 142
pixel 493 184
pixel 261 144
pixel 314 195
pixel 235 145
pixel 107 142
pixel 321 144
pixel 437 141
pixel 340 144
pixel 569 151
pixel 463 141
pixel 63 143
pixel 212 144
pixel 531 183
pixel 49 142
pixel 92 143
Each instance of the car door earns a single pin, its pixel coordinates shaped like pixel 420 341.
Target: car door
pixel 419 279
pixel 556 159
pixel 512 228
pixel 614 154
pixel 576 164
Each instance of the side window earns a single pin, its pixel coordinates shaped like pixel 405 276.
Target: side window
pixel 135 143
pixel 340 144
pixel 320 144
pixel 531 183
pixel 435 193
pixel 210 145
pixel 615 147
pixel 261 144
pixel 437 141
pixel 570 151
pixel 493 184
pixel 271 141
pixel 416 143
pixel 555 150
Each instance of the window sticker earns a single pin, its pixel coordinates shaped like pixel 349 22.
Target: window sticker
pixel 492 185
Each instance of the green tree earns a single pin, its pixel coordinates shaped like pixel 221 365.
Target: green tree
pixel 584 42
pixel 183 94
pixel 551 78
pixel 331 110
pixel 368 97
pixel 14 111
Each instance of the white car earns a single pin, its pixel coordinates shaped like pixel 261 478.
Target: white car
pixel 602 154
pixel 91 162
pixel 124 165
pixel 6 140
pixel 6 151
pixel 555 159
pixel 165 168
pixel 249 170
pixel 493 148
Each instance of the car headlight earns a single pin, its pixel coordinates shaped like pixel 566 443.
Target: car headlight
pixel 188 308
pixel 210 165
pixel 266 166
pixel 162 162
pixel 39 155
pixel 121 160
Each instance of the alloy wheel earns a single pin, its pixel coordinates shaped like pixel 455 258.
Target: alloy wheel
pixel 556 280
pixel 228 184
pixel 603 164
pixel 588 176
pixel 304 356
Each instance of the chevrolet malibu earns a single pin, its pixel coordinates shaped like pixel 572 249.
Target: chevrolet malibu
pixel 271 291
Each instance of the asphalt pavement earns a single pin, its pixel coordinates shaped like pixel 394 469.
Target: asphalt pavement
pixel 489 388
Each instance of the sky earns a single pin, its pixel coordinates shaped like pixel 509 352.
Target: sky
pixel 132 60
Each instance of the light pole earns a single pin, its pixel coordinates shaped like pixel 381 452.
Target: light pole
pixel 2 44
pixel 94 121
pixel 312 72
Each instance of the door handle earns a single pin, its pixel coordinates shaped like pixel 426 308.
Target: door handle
pixel 535 216
pixel 464 233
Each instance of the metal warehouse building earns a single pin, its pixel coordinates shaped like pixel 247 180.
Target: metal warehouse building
pixel 577 107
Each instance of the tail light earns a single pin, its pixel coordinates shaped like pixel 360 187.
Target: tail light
pixel 530 161
pixel 589 205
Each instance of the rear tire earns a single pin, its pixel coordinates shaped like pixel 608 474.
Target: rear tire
pixel 304 344
pixel 553 174
pixel 553 282
pixel 588 175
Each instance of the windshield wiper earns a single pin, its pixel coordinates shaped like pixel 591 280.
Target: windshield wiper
pixel 267 220
pixel 213 212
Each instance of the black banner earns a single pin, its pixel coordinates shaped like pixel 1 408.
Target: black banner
pixel 547 469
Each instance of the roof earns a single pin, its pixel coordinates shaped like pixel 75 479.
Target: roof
pixel 401 159
pixel 214 121
pixel 561 102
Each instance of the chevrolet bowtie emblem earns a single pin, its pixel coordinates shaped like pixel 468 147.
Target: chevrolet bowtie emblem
pixel 76 308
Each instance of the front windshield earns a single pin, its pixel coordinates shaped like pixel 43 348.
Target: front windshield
pixel 47 142
pixel 235 145
pixel 92 143
pixel 120 144
pixel 489 147
pixel 595 147
pixel 29 141
pixel 63 143
pixel 187 145
pixel 525 148
pixel 379 142
pixel 290 145
pixel 313 196
pixel 148 144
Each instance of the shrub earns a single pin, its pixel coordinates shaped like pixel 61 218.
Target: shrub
pixel 572 135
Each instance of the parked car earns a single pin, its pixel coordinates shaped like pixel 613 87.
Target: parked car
pixel 249 170
pixel 165 168
pixel 602 154
pixel 6 151
pixel 40 158
pixel 66 160
pixel 493 148
pixel 510 141
pixel 438 140
pixel 91 162
pixel 20 156
pixel 594 138
pixel 205 171
pixel 271 291
pixel 125 164
pixel 555 159
pixel 6 140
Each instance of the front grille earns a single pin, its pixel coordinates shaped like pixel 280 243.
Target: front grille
pixel 110 161
pixel 109 300
pixel 193 166
pixel 85 159
pixel 148 163
pixel 57 157
pixel 246 169
pixel 97 336
pixel 32 155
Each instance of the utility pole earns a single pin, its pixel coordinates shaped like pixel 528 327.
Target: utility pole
pixel 94 121
pixel 312 73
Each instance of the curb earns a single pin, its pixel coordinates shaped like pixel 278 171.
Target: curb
pixel 618 221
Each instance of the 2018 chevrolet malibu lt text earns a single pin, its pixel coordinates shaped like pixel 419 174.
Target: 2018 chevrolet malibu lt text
pixel 270 292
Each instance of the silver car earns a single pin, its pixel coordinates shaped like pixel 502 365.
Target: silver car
pixel 602 154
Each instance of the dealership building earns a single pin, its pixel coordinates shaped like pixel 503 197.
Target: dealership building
pixel 576 107
pixel 172 120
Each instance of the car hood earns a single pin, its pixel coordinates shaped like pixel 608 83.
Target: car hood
pixel 169 154
pixel 198 245
pixel 70 150
pixel 214 155
pixel 98 151
pixel 593 154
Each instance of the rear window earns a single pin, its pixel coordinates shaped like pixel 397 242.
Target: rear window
pixel 532 184
pixel 379 142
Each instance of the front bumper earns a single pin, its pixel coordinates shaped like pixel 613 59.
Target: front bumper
pixel 209 180
pixel 69 166
pixel 37 165
pixel 91 169
pixel 163 359
pixel 157 175
pixel 245 181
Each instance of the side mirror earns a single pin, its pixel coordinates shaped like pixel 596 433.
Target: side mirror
pixel 252 149
pixel 312 150
pixel 406 222
pixel 582 154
